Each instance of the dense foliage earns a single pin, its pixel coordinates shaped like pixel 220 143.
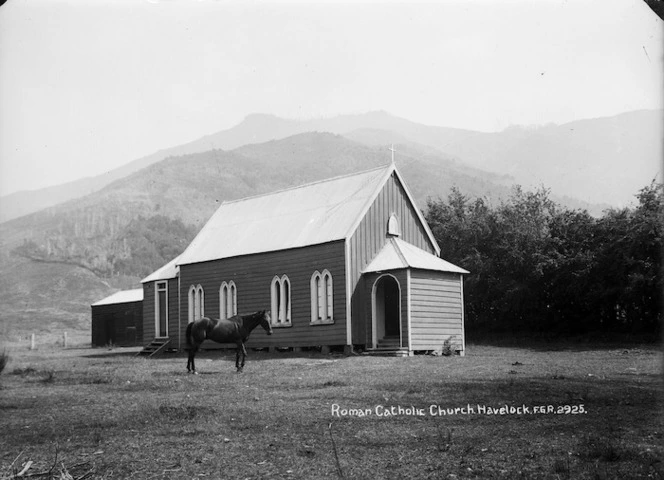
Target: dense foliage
pixel 152 242
pixel 538 267
pixel 107 248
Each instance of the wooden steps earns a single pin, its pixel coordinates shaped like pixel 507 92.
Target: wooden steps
pixel 156 347
pixel 389 346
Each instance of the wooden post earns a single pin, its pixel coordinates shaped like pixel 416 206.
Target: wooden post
pixel 32 342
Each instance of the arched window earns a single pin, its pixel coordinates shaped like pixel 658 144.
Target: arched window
pixel 196 303
pixel 191 300
pixel 322 307
pixel 393 226
pixel 201 301
pixel 232 292
pixel 281 305
pixel 227 300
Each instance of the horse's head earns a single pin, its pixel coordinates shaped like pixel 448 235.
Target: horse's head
pixel 265 321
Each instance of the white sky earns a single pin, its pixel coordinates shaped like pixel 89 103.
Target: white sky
pixel 89 85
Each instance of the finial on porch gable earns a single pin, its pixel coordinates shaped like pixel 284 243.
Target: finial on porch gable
pixel 392 150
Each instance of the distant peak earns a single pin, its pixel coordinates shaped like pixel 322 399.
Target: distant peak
pixel 379 113
pixel 261 116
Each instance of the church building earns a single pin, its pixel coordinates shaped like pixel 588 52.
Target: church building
pixel 348 261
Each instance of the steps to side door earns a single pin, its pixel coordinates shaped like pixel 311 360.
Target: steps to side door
pixel 156 347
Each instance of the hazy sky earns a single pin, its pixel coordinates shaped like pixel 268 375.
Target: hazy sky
pixel 89 85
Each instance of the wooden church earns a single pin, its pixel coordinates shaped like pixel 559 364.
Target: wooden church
pixel 348 261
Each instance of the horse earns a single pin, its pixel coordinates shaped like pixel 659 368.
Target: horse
pixel 232 330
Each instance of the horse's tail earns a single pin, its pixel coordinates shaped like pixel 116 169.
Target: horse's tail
pixel 188 334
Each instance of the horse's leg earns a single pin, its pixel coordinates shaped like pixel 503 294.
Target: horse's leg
pixel 192 354
pixel 237 358
pixel 244 356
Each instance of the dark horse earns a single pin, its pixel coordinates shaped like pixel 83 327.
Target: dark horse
pixel 233 330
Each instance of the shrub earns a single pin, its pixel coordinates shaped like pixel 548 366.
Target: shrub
pixel 4 360
pixel 448 347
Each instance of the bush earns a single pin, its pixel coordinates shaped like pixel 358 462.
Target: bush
pixel 448 348
pixel 4 360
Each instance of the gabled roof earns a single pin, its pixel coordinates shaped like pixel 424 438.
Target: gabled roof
pixel 123 296
pixel 398 254
pixel 168 271
pixel 311 214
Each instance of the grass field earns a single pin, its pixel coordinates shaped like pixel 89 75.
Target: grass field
pixel 97 413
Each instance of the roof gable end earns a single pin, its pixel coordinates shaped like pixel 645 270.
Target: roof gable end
pixel 392 170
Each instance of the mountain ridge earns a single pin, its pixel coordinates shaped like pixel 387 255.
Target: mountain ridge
pixel 110 239
pixel 189 188
pixel 501 152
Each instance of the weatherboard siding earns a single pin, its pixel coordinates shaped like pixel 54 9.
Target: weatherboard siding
pixel 370 237
pixel 436 309
pixel 253 274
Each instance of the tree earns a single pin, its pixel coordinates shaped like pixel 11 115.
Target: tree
pixel 537 267
pixel 628 265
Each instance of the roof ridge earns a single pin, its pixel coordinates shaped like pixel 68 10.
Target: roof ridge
pixel 297 187
pixel 397 248
pixel 408 255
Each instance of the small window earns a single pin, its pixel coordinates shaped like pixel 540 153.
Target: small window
pixel 322 307
pixel 227 300
pixel 196 303
pixel 393 226
pixel 281 302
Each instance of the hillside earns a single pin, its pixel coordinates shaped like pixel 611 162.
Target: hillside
pixel 48 299
pixel 596 161
pixel 56 262
pixel 189 188
pixel 110 239
pixel 601 161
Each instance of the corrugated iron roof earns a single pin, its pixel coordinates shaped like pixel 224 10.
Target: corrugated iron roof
pixel 123 296
pixel 311 214
pixel 398 254
pixel 168 271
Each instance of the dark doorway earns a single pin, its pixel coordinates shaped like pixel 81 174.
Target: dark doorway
pixel 387 304
pixel 391 307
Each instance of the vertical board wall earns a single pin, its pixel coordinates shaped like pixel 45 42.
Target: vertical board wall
pixel 371 236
